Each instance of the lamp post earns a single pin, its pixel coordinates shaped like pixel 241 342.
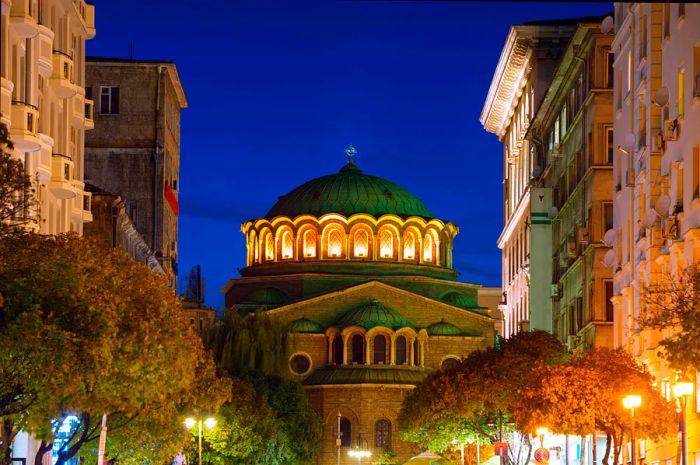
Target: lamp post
pixel 358 452
pixel 541 431
pixel 632 402
pixel 209 423
pixel 682 389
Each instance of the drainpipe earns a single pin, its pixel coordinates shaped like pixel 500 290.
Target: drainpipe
pixel 157 148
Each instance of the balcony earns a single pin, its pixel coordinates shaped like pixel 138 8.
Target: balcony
pixel 61 176
pixel 89 111
pixel 77 104
pixel 87 14
pixel 45 59
pixel 25 125
pixel 62 75
pixel 6 87
pixel 87 207
pixel 23 18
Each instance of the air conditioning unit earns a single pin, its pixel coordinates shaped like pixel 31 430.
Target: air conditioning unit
pixel 670 129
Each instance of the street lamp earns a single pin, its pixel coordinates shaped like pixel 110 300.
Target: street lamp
pixel 209 423
pixel 632 402
pixel 541 431
pixel 682 389
pixel 358 452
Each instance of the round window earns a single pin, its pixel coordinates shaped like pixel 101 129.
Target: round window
pixel 300 363
pixel 449 363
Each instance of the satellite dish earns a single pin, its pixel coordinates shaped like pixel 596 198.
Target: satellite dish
pixel 610 237
pixel 649 218
pixel 536 171
pixel 630 142
pixel 661 96
pixel 552 213
pixel 643 246
pixel 607 25
pixel 662 205
pixel 610 258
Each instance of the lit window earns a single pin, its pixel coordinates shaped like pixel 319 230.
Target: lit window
pixel 335 243
pixel 361 243
pixel 386 244
pixel 681 93
pixel 256 249
pixel 310 243
pixel 269 248
pixel 428 248
pixel 409 246
pixel 287 244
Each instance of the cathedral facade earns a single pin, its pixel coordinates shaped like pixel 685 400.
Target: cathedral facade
pixel 361 273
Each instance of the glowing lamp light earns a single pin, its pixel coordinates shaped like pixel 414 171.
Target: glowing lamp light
pixel 210 423
pixel 190 422
pixel 541 431
pixel 632 401
pixel 335 251
pixel 310 251
pixel 360 250
pixel 386 252
pixel 359 453
pixel 682 388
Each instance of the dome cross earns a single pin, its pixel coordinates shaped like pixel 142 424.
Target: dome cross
pixel 350 151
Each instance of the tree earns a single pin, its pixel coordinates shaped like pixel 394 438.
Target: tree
pixel 673 305
pixel 124 346
pixel 16 188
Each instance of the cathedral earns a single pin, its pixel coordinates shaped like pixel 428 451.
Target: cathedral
pixel 361 273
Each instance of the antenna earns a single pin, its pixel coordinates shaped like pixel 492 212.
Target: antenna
pixel 607 25
pixel 610 237
pixel 660 97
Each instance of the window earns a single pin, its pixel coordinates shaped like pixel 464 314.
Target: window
pixel 309 243
pixel 681 10
pixel 609 145
pixel 629 71
pixel 269 248
pixel 287 244
pixel 345 432
pixel 409 246
pixel 609 308
pixel 382 434
pixel 696 71
pixel 428 248
pixel 109 100
pixel 361 243
pixel 338 350
pixel 256 250
pixel 335 243
pixel 386 244
pixel 401 347
pixel 667 20
pixel 300 364
pixel 608 213
pixel 610 68
pixel 681 93
pixel 416 352
pixel 448 363
pixel 379 349
pixel 358 349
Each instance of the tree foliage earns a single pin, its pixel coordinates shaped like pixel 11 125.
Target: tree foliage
pixel 16 188
pixel 673 306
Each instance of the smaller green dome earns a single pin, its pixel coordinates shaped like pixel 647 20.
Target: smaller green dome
pixel 266 296
pixel 372 314
pixel 443 328
pixel 457 299
pixel 304 325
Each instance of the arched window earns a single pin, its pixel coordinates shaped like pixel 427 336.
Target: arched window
pixel 449 363
pixel 428 248
pixel 401 347
pixel 256 250
pixel 416 352
pixel 379 349
pixel 338 350
pixel 382 434
pixel 409 246
pixel 287 244
pixel 386 244
pixel 335 243
pixel 309 243
pixel 358 349
pixel 345 432
pixel 269 248
pixel 361 243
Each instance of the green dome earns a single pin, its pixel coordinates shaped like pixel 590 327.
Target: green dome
pixel 304 325
pixel 267 296
pixel 348 192
pixel 373 314
pixel 456 299
pixel 443 328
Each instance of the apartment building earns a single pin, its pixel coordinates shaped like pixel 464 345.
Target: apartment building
pixel 43 102
pixel 134 150
pixel 571 133
pixel 657 179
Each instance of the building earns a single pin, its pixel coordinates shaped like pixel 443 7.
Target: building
pixel 362 272
pixel 571 136
pixel 524 72
pixel 199 315
pixel 134 150
pixel 657 179
pixel 43 102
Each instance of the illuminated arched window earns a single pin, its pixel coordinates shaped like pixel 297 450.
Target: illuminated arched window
pixel 269 248
pixel 382 434
pixel 335 243
pixel 287 244
pixel 309 243
pixel 386 244
pixel 361 243
pixel 428 248
pixel 256 250
pixel 409 246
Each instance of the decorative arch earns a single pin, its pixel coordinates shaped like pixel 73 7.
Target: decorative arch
pixel 286 243
pixel 309 243
pixel 361 241
pixel 382 434
pixel 410 245
pixel 357 349
pixel 428 248
pixel 268 245
pixel 381 346
pixel 334 241
pixel 401 350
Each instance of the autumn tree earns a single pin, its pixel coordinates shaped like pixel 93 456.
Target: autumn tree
pixel 16 188
pixel 673 306
pixel 120 345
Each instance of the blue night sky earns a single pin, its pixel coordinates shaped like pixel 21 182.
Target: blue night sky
pixel 276 90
